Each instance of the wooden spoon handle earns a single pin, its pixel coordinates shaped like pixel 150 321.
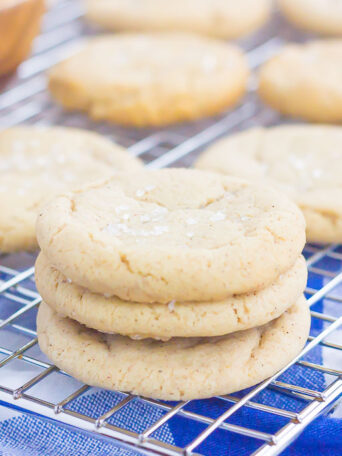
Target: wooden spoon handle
pixel 19 24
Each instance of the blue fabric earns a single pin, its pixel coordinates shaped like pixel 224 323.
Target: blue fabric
pixel 34 437
pixel 27 435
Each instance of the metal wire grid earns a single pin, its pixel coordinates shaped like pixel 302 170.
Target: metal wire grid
pixel 26 100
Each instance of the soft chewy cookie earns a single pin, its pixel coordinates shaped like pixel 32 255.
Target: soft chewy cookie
pixel 321 16
pixel 37 163
pixel 304 80
pixel 304 161
pixel 151 79
pixel 220 18
pixel 175 319
pixel 156 236
pixel 180 369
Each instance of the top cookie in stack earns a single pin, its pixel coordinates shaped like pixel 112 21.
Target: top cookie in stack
pixel 173 254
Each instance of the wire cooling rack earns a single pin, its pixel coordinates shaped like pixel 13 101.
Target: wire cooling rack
pixel 28 381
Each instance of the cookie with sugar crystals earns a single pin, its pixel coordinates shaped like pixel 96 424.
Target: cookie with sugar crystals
pixel 304 80
pixel 38 163
pixel 320 16
pixel 172 234
pixel 175 319
pixel 180 369
pixel 151 79
pixel 220 18
pixel 304 161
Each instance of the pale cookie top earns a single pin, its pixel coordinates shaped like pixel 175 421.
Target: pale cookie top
pixel 156 236
pixel 305 80
pixel 174 319
pixel 144 60
pixel 37 163
pixel 221 18
pixel 151 79
pixel 304 161
pixel 321 16
pixel 180 369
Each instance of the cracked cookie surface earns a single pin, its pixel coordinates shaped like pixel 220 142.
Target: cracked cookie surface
pixel 175 319
pixel 303 161
pixel 220 18
pixel 38 163
pixel 151 79
pixel 156 236
pixel 180 369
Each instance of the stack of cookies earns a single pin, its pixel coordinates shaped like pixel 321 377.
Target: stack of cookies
pixel 172 284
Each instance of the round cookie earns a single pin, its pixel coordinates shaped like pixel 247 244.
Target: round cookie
pixel 180 369
pixel 37 163
pixel 304 161
pixel 320 16
pixel 151 79
pixel 172 234
pixel 219 18
pixel 304 80
pixel 176 319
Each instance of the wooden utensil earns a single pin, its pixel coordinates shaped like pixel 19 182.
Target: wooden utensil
pixel 19 24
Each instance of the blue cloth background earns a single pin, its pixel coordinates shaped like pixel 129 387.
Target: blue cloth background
pixel 32 436
pixel 28 435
